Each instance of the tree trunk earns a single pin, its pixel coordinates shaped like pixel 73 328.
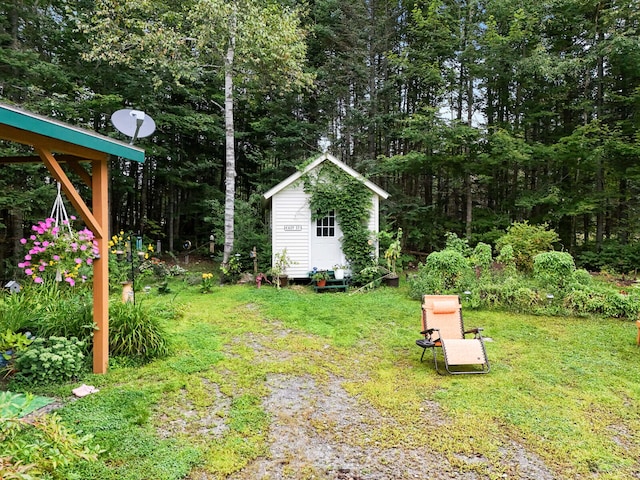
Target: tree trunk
pixel 230 177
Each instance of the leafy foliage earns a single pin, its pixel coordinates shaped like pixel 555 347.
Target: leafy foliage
pixel 553 269
pixel 527 241
pixel 446 271
pixel 333 189
pixel 53 360
pixel 135 330
pixel 40 448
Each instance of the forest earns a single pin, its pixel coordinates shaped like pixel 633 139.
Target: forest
pixel 473 114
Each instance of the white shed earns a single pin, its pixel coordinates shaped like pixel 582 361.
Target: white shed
pixel 311 243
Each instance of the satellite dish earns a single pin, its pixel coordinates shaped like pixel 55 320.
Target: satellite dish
pixel 133 123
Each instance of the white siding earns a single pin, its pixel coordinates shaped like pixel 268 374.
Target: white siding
pixel 290 227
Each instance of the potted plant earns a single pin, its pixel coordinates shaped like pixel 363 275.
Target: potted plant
pixel 392 254
pixel 320 277
pixel 339 271
pixel 281 261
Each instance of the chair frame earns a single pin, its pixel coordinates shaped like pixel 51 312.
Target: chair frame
pixel 432 339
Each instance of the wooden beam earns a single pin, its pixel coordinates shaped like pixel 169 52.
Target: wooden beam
pixel 79 170
pixel 47 143
pixel 61 158
pixel 72 194
pixel 100 201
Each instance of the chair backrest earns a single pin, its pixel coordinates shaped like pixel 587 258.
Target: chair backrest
pixel 443 312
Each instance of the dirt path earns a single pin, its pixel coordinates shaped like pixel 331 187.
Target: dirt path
pixel 318 431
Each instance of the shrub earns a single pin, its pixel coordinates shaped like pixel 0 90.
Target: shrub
pixel 507 259
pixel 581 277
pixel 553 269
pixel 47 310
pixel 446 271
pixel 527 241
pixel 42 446
pixel 136 331
pixel 52 360
pixel 17 311
pixel 482 258
pixel 613 257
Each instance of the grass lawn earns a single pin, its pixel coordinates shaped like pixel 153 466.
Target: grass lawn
pixel 566 390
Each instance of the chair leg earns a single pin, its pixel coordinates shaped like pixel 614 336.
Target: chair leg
pixel 435 361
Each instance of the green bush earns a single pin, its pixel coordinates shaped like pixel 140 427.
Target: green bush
pixel 38 449
pixel 612 257
pixel 20 310
pixel 136 331
pixel 447 271
pixel 527 241
pixel 482 258
pixel 52 360
pixel 553 269
pixel 581 278
pixel 507 259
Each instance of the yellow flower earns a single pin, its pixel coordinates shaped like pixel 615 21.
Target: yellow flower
pixel 146 255
pixel 150 248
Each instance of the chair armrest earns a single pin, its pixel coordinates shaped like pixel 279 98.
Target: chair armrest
pixel 475 331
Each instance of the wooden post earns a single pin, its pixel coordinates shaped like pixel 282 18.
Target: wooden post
pixel 100 187
pixel 254 255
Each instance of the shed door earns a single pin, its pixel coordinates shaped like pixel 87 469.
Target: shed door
pixel 326 250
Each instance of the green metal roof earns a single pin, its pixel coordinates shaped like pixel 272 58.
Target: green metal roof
pixel 48 127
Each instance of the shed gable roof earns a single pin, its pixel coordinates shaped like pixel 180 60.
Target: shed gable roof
pixel 322 158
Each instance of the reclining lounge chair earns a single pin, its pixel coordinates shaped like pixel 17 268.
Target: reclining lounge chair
pixel 442 327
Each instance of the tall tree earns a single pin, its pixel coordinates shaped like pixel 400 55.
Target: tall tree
pixel 258 46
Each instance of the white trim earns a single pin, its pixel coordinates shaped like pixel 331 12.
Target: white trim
pixel 325 156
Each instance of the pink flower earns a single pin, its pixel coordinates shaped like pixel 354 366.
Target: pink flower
pixel 89 261
pixel 28 271
pixel 23 241
pixel 41 268
pixel 56 258
pixel 27 257
pixel 70 280
pixel 37 280
pixel 78 261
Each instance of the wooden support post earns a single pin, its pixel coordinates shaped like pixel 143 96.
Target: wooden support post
pixel 100 184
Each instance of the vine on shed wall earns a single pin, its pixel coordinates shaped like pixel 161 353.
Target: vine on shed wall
pixel 330 188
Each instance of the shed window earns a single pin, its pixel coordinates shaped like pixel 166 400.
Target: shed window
pixel 326 227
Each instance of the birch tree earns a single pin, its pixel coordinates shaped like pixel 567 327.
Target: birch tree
pixel 258 46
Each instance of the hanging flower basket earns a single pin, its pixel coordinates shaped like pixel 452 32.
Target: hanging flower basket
pixel 58 253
